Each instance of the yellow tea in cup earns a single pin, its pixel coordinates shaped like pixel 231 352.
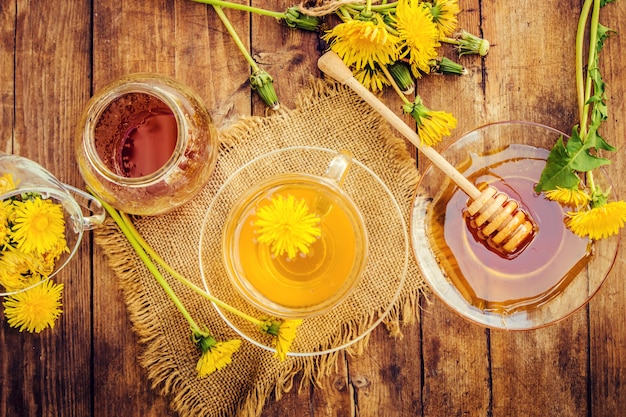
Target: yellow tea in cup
pixel 269 259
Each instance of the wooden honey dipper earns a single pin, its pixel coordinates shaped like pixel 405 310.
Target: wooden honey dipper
pixel 498 219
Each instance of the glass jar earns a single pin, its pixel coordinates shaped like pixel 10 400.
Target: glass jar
pixel 146 144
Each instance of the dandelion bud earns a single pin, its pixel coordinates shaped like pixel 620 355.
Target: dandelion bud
pixel 401 74
pixel 297 20
pixel 471 44
pixel 447 67
pixel 263 83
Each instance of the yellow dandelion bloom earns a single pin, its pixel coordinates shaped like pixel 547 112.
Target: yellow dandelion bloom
pixel 217 357
pixel 38 225
pixel 418 33
pixel 444 15
pixel 44 264
pixel 287 226
pixel 284 332
pixel 598 222
pixel 431 125
pixel 15 269
pixel 6 183
pixel 569 197
pixel 372 79
pixel 35 309
pixel 362 43
pixel 434 127
pixel 286 336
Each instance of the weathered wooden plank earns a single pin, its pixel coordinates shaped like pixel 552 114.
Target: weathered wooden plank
pixel 41 372
pixel 386 378
pixel 7 73
pixel 608 309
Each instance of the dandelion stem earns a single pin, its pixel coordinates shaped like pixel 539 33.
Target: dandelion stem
pixel 231 30
pixel 383 7
pixel 178 276
pixel 450 40
pixel 149 264
pixel 582 90
pixel 344 14
pixel 243 7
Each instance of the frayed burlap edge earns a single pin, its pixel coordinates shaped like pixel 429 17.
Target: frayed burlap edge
pixel 164 375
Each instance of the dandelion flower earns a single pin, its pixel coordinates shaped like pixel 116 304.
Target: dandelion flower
pixel 284 332
pixel 34 309
pixel 598 222
pixel 569 197
pixel 431 125
pixel 444 13
pixel 15 269
pixel 418 33
pixel 287 226
pixel 217 357
pixel 362 43
pixel 6 183
pixel 38 225
pixel 371 78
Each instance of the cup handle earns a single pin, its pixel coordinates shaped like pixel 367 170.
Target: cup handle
pixel 338 167
pixel 90 203
pixel 336 172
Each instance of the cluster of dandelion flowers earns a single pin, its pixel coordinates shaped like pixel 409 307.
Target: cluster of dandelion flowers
pixel 32 240
pixel 32 231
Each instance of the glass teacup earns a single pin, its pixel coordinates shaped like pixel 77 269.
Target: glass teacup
pixel 22 179
pixel 288 266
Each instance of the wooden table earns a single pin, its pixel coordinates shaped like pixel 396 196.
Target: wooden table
pixel 55 54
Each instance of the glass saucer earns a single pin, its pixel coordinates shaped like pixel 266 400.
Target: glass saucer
pixel 513 294
pixel 381 282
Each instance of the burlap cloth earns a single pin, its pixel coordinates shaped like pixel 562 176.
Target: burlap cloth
pixel 327 116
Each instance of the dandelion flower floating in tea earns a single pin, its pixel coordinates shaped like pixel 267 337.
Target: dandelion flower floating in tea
pixel 287 226
pixel 35 309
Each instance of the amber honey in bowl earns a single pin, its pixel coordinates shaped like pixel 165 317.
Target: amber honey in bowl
pixel 486 278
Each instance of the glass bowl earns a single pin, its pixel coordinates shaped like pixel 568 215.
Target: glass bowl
pixel 81 212
pixel 552 277
pixel 380 282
